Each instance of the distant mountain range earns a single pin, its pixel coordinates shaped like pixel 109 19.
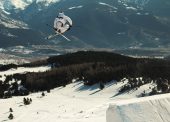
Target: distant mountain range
pixel 115 24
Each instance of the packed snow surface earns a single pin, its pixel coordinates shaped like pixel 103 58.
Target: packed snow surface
pixel 148 109
pixel 73 103
pixel 80 103
pixel 23 70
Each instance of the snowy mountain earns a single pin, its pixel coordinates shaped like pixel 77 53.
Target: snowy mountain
pixel 97 23
pixel 16 32
pixel 9 22
pixel 23 4
pixel 138 2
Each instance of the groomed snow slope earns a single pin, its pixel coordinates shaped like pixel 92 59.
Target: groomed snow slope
pixel 148 109
pixel 79 103
pixel 73 103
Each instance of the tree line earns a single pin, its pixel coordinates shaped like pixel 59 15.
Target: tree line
pixel 89 66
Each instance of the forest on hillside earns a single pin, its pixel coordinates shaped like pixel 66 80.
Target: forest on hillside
pixel 91 67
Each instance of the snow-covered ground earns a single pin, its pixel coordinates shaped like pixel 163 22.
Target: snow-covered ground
pixel 73 103
pixel 23 70
pixel 148 109
pixel 80 103
pixel 10 59
pixel 13 61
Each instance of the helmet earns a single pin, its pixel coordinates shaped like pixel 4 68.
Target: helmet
pixel 61 14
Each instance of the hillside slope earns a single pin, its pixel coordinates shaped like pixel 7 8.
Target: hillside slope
pixel 73 103
pixel 82 66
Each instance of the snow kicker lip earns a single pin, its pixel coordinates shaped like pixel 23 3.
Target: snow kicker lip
pixel 155 108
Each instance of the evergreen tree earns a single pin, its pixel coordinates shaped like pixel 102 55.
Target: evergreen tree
pixel 30 100
pixel 48 90
pixel 101 86
pixel 43 94
pixel 10 110
pixel 25 101
pixel 10 116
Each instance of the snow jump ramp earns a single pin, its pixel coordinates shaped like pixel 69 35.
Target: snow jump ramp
pixel 146 109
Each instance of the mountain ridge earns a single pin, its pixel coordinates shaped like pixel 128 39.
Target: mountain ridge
pixel 95 23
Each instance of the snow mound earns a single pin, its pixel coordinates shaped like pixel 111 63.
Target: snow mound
pixel 149 109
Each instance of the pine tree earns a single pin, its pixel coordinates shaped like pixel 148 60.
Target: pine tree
pixel 10 116
pixel 48 90
pixel 10 110
pixel 25 101
pixel 43 94
pixel 30 100
pixel 101 86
